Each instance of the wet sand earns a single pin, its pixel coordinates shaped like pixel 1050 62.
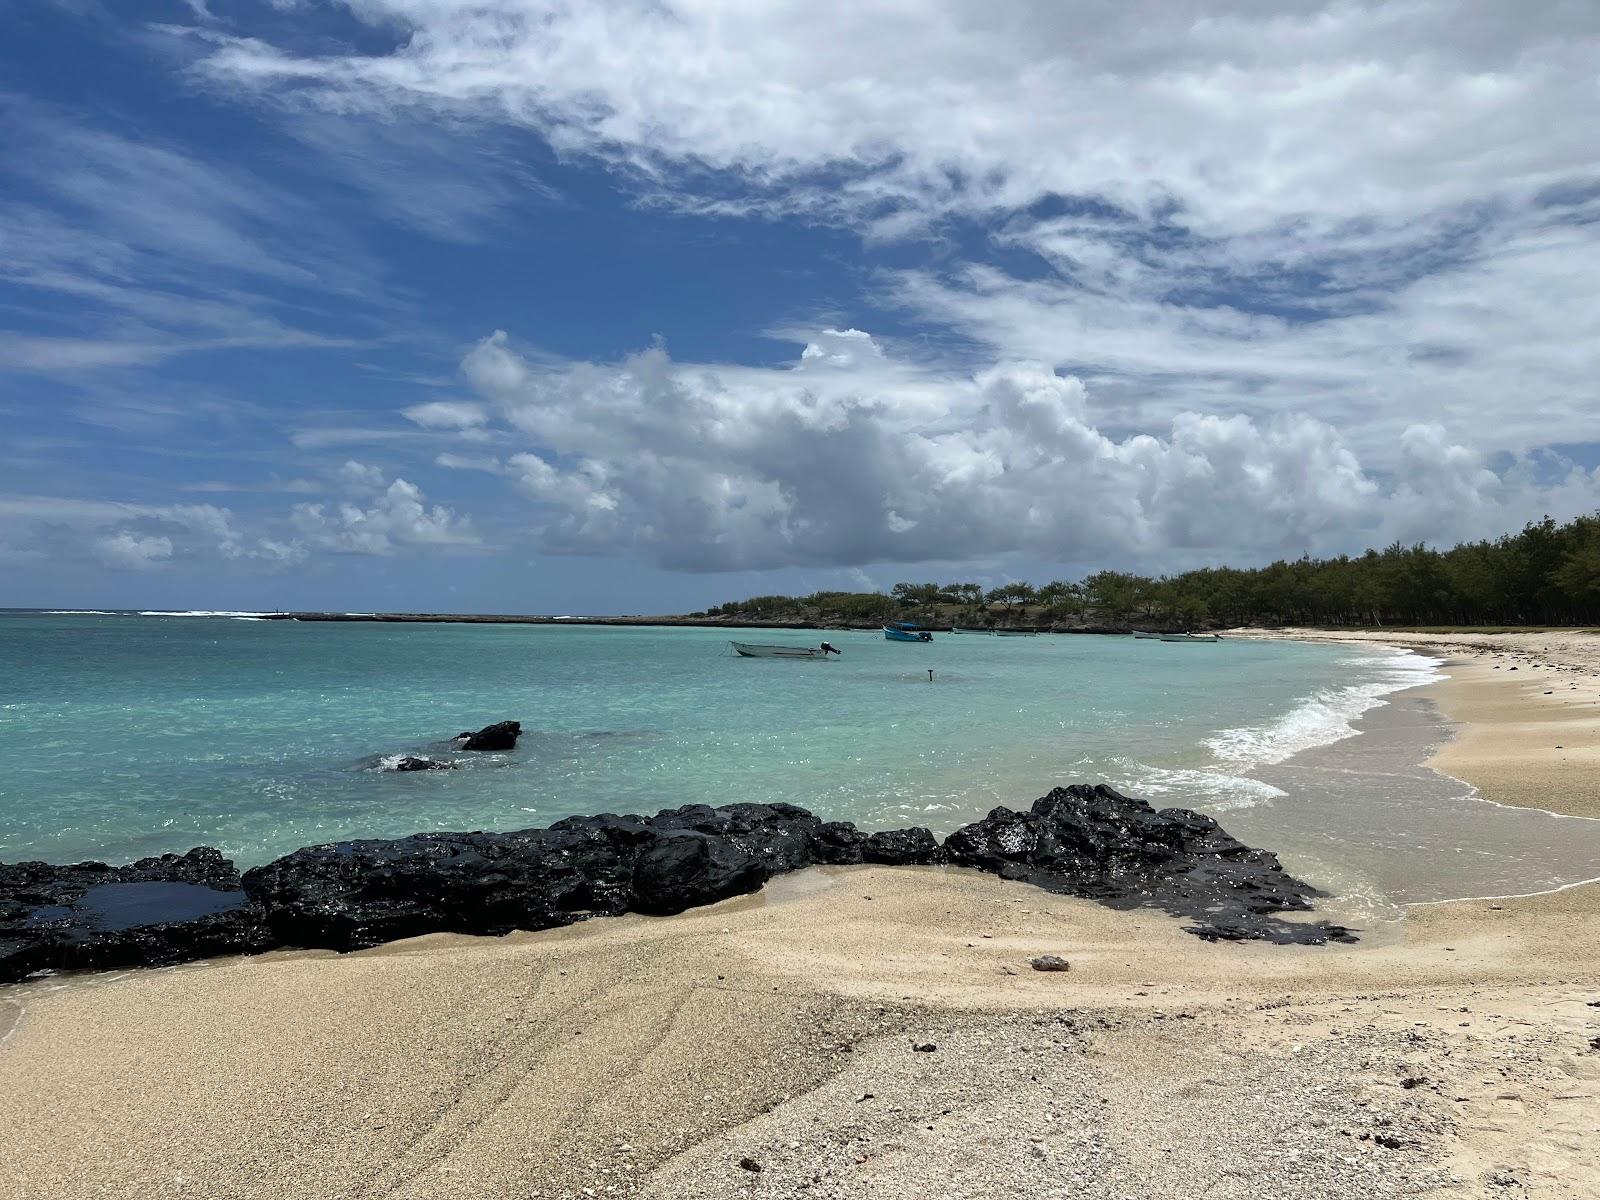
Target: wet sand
pixel 1528 705
pixel 652 1057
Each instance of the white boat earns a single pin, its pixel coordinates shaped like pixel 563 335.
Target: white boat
pixel 1190 637
pixel 746 650
pixel 964 629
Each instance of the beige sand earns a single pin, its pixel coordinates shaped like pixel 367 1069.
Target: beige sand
pixel 649 1057
pixel 1529 704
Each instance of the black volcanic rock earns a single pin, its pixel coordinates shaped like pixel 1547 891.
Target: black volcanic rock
pixel 150 913
pixel 903 847
pixel 502 735
pixel 1081 841
pixel 690 869
pixel 1096 842
pixel 416 763
pixel 353 894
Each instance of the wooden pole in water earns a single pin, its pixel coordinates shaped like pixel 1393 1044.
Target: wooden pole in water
pixel 930 674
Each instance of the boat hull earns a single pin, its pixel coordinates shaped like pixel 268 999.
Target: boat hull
pixel 906 635
pixel 748 650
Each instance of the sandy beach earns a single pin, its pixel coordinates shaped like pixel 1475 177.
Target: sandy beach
pixel 1528 705
pixel 871 1032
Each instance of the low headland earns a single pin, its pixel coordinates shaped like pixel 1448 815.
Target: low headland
pixel 871 1031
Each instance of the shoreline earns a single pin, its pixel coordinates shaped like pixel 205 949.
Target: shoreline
pixel 1523 741
pixel 650 1057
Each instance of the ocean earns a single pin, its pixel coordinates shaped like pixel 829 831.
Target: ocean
pixel 125 735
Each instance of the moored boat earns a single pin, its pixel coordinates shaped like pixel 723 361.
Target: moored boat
pixel 1153 637
pixel 747 650
pixel 1190 637
pixel 905 632
pixel 964 629
pixel 1016 633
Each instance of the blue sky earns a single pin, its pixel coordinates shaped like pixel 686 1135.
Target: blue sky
pixel 525 306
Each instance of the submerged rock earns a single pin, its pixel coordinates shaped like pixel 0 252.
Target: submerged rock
pixel 1097 843
pixel 410 762
pixel 150 913
pixel 502 735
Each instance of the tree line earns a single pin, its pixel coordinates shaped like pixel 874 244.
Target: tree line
pixel 1548 574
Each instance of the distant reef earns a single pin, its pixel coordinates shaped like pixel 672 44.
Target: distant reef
pixel 1079 841
pixel 691 620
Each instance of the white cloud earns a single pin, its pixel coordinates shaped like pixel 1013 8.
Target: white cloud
pixel 878 459
pixel 157 250
pixel 72 513
pixel 324 437
pixel 1383 214
pixel 268 551
pixel 1224 280
pixel 470 462
pixel 140 535
pixel 360 477
pixel 398 517
pixel 447 414
pixel 1512 314
pixel 131 550
pixel 1238 115
pixel 451 187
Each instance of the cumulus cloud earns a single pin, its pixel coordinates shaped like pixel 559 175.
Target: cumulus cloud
pixel 1226 281
pixel 137 536
pixel 849 459
pixel 131 550
pixel 398 517
pixel 1380 213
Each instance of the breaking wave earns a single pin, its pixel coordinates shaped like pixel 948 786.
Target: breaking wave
pixel 204 612
pixel 1326 716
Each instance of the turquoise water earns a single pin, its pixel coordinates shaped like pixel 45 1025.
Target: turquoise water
pixel 122 736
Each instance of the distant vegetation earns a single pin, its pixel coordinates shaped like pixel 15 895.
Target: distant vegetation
pixel 1548 574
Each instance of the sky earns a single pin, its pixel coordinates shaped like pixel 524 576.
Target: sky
pixel 623 306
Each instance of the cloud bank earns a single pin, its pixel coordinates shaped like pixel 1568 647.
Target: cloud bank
pixel 854 455
pixel 1227 276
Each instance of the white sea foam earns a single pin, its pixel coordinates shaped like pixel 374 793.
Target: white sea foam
pixel 1218 791
pixel 204 612
pixel 1325 716
pixel 78 612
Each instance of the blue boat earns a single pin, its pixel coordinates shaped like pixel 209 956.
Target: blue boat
pixel 905 631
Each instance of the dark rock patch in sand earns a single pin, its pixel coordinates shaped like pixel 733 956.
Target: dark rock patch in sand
pixel 1080 841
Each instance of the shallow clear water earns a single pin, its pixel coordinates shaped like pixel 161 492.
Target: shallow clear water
pixel 122 736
